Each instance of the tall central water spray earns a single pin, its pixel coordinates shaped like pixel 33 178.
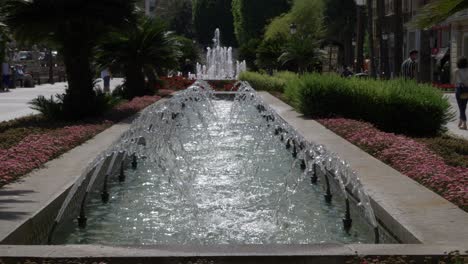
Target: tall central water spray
pixel 219 63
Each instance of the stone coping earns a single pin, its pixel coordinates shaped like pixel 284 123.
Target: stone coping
pixel 409 210
pixel 240 253
pixel 30 205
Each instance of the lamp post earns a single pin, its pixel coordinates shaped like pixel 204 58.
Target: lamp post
pixel 370 29
pixel 360 35
pixel 385 67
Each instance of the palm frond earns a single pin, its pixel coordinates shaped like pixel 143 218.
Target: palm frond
pixel 436 12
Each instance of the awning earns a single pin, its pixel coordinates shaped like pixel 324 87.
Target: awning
pixel 441 54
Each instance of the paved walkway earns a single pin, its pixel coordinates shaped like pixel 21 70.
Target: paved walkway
pixel 14 104
pixel 453 125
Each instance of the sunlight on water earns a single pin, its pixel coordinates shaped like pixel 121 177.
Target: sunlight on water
pixel 226 180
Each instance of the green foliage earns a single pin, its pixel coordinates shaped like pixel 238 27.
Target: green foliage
pixel 397 106
pixel 306 14
pixel 268 53
pixel 177 14
pixel 251 17
pixel 248 52
pixel 189 51
pixel 262 82
pixel 74 27
pixel 53 108
pixel 139 51
pixel 211 14
pixel 301 53
pixel 340 17
pixel 437 11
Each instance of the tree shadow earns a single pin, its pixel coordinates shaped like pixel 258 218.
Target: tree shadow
pixel 12 215
pixel 15 192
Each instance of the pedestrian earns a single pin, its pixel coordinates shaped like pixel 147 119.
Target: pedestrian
pixel 461 93
pixel 410 66
pixel 106 76
pixel 5 76
pixel 346 72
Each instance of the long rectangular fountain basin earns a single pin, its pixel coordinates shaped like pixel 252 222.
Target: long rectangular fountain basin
pixel 407 210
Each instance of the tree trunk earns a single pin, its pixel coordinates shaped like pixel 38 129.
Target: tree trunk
pixel 79 101
pixel 370 29
pixel 134 82
pixel 398 58
pixel 384 65
pixel 425 57
pixel 360 39
pixel 50 62
pixel 348 49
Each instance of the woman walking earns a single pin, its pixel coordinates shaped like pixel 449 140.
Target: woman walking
pixel 461 80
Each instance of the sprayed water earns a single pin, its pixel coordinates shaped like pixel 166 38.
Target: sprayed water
pixel 220 64
pixel 216 174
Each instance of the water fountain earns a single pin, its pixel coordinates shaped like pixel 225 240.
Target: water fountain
pixel 219 63
pixel 198 170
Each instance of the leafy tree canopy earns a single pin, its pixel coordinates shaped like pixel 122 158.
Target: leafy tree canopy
pixel 306 14
pixel 437 11
pixel 251 17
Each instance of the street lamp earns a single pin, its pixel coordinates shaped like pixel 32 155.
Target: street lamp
pixel 358 43
pixel 293 28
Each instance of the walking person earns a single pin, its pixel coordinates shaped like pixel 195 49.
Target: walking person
pixel 106 76
pixel 409 67
pixel 461 93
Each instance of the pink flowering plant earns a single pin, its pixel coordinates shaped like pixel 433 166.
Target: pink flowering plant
pixel 33 150
pixel 410 157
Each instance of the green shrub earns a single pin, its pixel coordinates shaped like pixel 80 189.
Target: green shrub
pixel 52 108
pixel 398 106
pixel 262 82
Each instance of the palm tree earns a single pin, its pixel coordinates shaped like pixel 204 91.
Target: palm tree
pixel 437 11
pixel 302 52
pixel 139 51
pixel 74 26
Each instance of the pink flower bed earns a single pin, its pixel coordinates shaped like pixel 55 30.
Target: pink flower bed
pixel 410 157
pixel 36 149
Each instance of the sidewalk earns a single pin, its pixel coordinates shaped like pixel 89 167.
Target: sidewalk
pixel 453 125
pixel 14 104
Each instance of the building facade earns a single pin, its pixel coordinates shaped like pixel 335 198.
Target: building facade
pixel 459 38
pixel 439 47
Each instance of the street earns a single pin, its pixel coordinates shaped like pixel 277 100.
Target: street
pixel 14 104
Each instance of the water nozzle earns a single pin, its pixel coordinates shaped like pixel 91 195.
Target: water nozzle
pixel 303 165
pixel 134 162
pixel 122 172
pixel 347 221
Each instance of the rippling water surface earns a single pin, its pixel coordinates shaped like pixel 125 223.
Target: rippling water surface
pixel 233 182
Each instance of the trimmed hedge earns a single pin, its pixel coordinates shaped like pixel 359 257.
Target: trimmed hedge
pixel 263 82
pixel 397 106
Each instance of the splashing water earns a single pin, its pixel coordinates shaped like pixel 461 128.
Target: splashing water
pixel 217 172
pixel 219 63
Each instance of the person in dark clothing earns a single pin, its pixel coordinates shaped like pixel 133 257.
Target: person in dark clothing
pixel 347 72
pixel 409 67
pixel 461 93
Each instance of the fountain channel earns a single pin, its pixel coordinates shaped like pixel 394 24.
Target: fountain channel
pixel 207 168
